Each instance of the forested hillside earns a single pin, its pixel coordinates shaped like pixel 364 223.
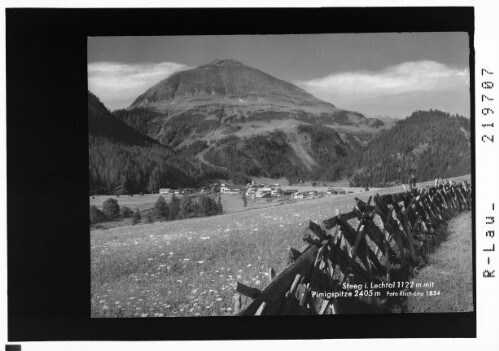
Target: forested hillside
pixel 429 144
pixel 122 160
pixel 312 152
pixel 101 122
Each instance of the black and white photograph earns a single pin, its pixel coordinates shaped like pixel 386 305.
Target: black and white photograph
pixel 293 175
pixel 280 174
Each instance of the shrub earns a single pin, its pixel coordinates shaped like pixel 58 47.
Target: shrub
pixel 96 215
pixel 149 217
pixel 126 212
pixel 136 217
pixel 111 208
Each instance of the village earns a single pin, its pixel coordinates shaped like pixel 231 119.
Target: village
pixel 257 191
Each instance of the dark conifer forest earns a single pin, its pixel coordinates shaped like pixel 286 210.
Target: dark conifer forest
pixel 428 144
pixel 123 161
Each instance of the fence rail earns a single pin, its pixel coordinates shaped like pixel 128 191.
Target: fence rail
pixel 380 241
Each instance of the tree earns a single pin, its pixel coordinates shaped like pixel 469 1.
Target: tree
pixel 208 207
pixel 173 208
pixel 111 208
pixel 149 217
pixel 186 207
pixel 161 209
pixel 96 215
pixel 245 199
pixel 126 212
pixel 136 216
pixel 219 205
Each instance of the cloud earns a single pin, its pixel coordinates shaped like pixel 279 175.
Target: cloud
pixel 118 84
pixel 417 77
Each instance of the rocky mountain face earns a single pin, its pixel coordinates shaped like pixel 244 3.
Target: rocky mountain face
pixel 203 111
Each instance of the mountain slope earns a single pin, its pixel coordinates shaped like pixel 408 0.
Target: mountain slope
pixel 429 144
pixel 102 123
pixel 194 110
pixel 122 160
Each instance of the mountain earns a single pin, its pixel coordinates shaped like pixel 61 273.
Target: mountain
pixel 429 144
pixel 122 160
pixel 231 115
pixel 102 123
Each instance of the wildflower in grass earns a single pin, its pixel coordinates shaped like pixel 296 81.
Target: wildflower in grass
pixel 161 315
pixel 219 299
pixel 257 282
pixel 171 253
pixel 179 281
pixel 186 259
pixel 143 315
pixel 200 262
pixel 102 301
pixel 249 265
pixel 105 307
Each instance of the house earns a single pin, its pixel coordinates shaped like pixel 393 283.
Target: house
pixel 163 191
pixel 225 190
pixel 298 196
pixel 266 196
pixel 262 193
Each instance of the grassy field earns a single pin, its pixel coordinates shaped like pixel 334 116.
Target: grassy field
pixel 230 202
pixel 190 267
pixel 450 269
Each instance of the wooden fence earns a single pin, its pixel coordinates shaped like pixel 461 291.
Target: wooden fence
pixel 378 243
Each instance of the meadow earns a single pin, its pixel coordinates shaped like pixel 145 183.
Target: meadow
pixel 449 268
pixel 190 267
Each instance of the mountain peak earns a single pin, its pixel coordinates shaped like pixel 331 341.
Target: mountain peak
pixel 225 62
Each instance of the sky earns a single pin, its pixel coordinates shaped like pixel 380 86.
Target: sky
pixel 387 74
